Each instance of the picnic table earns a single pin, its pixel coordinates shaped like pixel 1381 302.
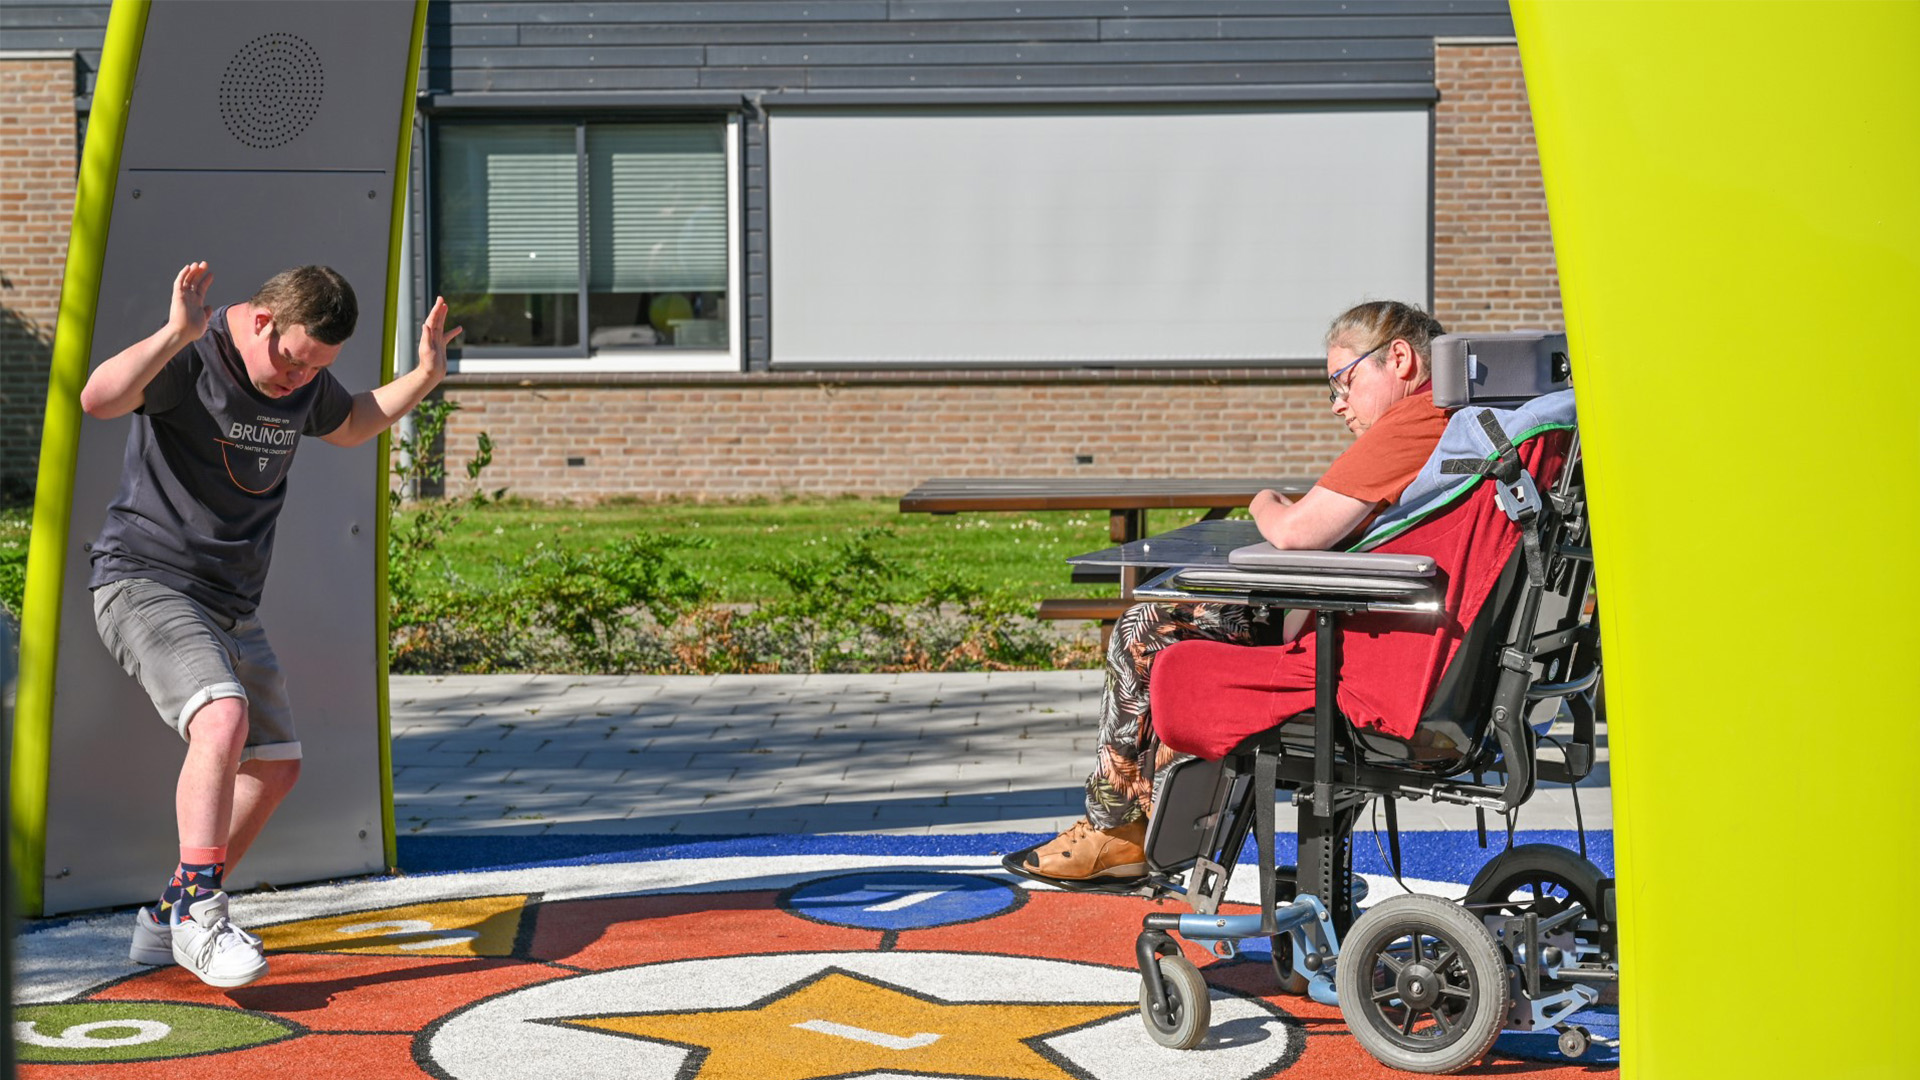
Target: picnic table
pixel 1126 499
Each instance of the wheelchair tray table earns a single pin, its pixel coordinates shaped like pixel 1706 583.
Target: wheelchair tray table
pixel 1203 543
pixel 1191 564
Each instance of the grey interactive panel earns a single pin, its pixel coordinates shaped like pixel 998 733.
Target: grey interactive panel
pixel 260 136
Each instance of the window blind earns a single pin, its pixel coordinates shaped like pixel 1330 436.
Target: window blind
pixel 1095 236
pixel 509 210
pixel 657 208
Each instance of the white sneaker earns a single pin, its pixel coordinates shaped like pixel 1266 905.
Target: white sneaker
pixel 152 940
pixel 209 945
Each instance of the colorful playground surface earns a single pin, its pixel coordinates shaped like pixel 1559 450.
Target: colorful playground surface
pixel 765 958
pixel 511 945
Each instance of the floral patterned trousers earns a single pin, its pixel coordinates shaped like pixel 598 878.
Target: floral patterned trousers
pixel 1131 759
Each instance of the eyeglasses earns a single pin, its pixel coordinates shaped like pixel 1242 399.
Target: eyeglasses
pixel 1336 388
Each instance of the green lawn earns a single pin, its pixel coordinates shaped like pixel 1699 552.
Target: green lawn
pixel 1018 553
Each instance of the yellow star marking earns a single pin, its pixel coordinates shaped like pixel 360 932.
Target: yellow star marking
pixel 839 1024
pixel 481 926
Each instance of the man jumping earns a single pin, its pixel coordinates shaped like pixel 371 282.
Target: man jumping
pixel 221 400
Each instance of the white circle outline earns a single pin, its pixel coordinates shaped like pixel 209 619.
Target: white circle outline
pixel 495 1038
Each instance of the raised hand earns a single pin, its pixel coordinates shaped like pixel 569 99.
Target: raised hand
pixel 434 338
pixel 188 310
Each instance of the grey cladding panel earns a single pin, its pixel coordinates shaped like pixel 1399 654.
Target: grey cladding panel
pixel 319 605
pixel 484 79
pixel 49 16
pixel 283 89
pixel 745 79
pixel 716 33
pixel 842 51
pixel 442 36
pixel 1027 53
pixel 1332 27
pixel 48 40
pixel 586 57
pixel 249 221
pixel 1103 75
pixel 1221 9
pixel 770 11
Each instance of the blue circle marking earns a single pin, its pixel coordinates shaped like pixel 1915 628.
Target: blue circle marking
pixel 901 899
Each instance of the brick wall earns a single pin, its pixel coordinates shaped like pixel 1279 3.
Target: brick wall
pixel 1493 266
pixel 1493 270
pixel 880 434
pixel 779 433
pixel 39 146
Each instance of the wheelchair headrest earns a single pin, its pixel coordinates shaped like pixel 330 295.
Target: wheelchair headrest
pixel 1483 369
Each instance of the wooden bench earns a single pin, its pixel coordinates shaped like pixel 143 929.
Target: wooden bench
pixel 1126 499
pixel 1106 609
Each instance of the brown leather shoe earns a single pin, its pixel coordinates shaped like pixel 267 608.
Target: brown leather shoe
pixel 1084 853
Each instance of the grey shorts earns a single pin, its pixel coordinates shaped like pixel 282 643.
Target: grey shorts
pixel 185 656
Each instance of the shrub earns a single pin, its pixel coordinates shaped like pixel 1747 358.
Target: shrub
pixel 637 606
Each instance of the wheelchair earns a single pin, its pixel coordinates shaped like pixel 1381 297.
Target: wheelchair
pixel 1425 984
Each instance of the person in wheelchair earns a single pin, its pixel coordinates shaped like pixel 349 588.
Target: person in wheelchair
pixel 1449 642
pixel 1379 365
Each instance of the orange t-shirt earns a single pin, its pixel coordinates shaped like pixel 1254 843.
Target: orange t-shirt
pixel 1387 456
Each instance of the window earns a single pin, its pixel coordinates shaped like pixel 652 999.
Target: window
pixel 1088 236
pixel 595 246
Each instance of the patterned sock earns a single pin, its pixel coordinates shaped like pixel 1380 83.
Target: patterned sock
pixel 197 875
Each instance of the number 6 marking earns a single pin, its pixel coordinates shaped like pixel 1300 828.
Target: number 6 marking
pixel 80 1036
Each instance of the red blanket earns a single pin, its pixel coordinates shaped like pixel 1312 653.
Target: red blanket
pixel 1207 696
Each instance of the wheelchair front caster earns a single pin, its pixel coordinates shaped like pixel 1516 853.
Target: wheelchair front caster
pixel 1574 1040
pixel 1290 981
pixel 1183 1024
pixel 1422 984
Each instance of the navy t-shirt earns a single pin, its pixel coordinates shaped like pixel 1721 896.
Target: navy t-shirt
pixel 205 475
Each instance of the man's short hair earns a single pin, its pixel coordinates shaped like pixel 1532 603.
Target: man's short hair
pixel 1373 324
pixel 315 297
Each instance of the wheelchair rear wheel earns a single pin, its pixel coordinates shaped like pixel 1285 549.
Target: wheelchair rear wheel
pixel 1188 1013
pixel 1538 878
pixel 1422 984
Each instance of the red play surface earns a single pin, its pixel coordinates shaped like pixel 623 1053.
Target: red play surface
pixel 363 1015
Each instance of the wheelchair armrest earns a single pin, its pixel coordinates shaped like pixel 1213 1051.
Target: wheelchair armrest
pixel 1315 589
pixel 1264 556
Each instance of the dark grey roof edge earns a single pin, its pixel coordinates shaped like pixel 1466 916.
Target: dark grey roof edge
pixel 1289 372
pixel 1290 93
pixel 1279 93
pixel 442 101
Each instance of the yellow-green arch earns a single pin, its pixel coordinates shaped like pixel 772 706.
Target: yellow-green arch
pixel 1735 197
pixel 60 445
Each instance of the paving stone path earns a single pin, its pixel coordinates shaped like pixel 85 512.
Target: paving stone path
pixel 905 753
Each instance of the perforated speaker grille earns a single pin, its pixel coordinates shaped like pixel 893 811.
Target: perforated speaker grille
pixel 271 90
